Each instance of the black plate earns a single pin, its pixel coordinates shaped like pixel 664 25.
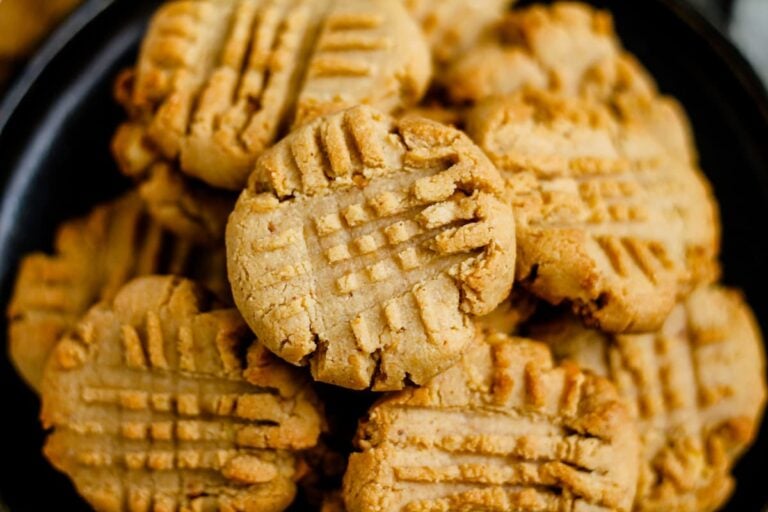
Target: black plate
pixel 56 122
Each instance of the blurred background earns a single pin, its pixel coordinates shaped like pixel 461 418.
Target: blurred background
pixel 25 23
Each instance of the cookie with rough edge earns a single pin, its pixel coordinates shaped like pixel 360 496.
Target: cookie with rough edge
pixel 511 314
pixel 696 388
pixel 567 47
pixel 185 206
pixel 93 257
pixel 572 50
pixel 160 400
pixel 364 245
pixel 217 82
pixel 333 502
pixel 606 219
pixel 453 26
pixel 501 430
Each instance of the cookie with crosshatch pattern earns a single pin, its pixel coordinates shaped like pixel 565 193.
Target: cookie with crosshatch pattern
pixel 217 82
pixel 503 429
pixel 159 400
pixel 606 219
pixel 696 388
pixel 94 257
pixel 570 49
pixel 364 245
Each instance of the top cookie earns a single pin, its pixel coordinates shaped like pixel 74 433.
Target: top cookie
pixel 696 387
pixel 502 430
pixel 95 256
pixel 364 245
pixel 453 26
pixel 218 81
pixel 606 218
pixel 154 404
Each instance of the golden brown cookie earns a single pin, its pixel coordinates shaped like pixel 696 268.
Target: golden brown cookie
pixel 501 430
pixel 94 256
pixel 453 26
pixel 364 245
pixel 217 82
pixel 606 219
pixel 153 404
pixel 567 47
pixel 570 49
pixel 697 388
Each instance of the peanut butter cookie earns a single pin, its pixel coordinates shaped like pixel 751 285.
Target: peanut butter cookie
pixel 94 256
pixel 364 245
pixel 501 430
pixel 570 49
pixel 154 404
pixel 217 82
pixel 696 388
pixel 606 219
pixel 184 206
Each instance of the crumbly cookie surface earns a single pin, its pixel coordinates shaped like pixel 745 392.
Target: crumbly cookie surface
pixel 364 245
pixel 217 82
pixel 569 49
pixel 606 218
pixel 453 26
pixel 94 256
pixel 153 403
pixel 696 387
pixel 502 430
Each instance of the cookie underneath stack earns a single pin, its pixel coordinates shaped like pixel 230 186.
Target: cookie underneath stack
pixel 484 222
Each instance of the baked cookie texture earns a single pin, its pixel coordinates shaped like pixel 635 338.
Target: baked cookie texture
pixel 569 49
pixel 94 256
pixel 454 26
pixel 696 388
pixel 184 206
pixel 217 82
pixel 606 218
pixel 364 245
pixel 160 400
pixel 501 430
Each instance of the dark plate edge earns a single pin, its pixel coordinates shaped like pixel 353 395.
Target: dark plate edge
pixel 22 83
pixel 726 50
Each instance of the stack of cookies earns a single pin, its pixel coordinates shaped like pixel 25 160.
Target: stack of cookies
pixel 426 255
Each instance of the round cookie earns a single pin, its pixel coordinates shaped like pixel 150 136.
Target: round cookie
pixel 696 388
pixel 502 430
pixel 364 245
pixel 159 400
pixel 569 49
pixel 606 219
pixel 217 82
pixel 94 257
